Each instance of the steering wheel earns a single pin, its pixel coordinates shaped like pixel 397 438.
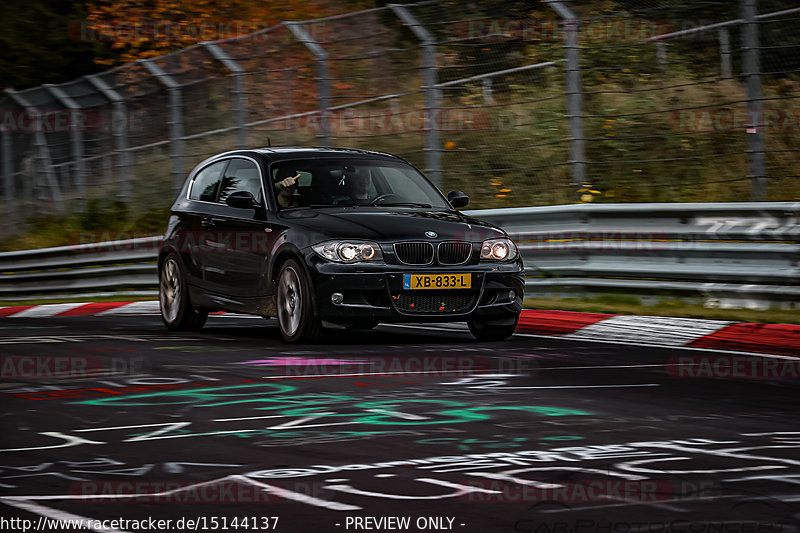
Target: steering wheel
pixel 382 197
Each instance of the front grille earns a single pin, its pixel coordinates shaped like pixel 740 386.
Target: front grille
pixel 454 253
pixel 414 253
pixel 434 302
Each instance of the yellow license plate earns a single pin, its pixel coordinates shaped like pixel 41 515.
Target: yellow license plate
pixel 437 281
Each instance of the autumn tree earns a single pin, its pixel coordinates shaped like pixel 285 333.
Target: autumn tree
pixel 137 30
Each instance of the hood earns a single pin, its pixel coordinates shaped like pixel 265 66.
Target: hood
pixel 393 225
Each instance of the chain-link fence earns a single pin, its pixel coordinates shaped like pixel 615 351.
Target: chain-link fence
pixel 516 103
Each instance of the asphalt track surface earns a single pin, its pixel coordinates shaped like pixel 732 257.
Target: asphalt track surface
pixel 403 428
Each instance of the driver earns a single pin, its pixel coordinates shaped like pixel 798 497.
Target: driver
pixel 357 182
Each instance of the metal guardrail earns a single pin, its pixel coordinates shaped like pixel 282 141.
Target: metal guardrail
pixel 726 255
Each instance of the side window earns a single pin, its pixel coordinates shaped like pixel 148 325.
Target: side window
pixel 206 182
pixel 241 175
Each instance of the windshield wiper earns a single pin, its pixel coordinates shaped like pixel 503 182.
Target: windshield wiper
pixel 402 204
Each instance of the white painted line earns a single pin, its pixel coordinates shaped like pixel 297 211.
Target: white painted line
pixel 46 310
pixel 687 348
pixel 624 343
pixel 771 433
pixel 246 418
pixel 299 497
pixel 666 331
pixel 149 307
pixel 55 514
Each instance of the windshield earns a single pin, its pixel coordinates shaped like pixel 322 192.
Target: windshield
pixel 352 182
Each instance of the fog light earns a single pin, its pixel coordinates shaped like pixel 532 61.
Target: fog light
pixel 512 295
pixel 337 298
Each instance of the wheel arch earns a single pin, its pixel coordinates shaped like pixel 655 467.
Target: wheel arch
pixel 279 259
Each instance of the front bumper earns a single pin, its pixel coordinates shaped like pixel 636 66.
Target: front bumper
pixel 374 292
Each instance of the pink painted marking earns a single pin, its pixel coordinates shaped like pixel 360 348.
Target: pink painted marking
pixel 300 361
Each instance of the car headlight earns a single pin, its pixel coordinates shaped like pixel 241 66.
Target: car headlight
pixel 349 251
pixel 498 250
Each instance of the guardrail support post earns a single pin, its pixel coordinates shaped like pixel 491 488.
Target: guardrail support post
pixel 323 77
pixel 175 122
pixel 433 153
pixel 239 96
pixel 755 108
pixel 76 135
pixel 574 93
pixel 119 125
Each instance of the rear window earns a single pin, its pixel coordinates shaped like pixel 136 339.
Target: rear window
pixel 206 182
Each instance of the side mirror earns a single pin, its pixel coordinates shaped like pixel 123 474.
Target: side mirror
pixel 241 200
pixel 457 199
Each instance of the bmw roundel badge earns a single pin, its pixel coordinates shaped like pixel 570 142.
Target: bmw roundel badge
pixel 431 234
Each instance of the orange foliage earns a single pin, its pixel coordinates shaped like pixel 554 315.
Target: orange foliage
pixel 137 29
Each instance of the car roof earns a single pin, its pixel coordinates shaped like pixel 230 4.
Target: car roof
pixel 279 153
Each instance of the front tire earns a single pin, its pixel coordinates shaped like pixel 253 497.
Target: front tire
pixel 295 305
pixel 487 331
pixel 177 311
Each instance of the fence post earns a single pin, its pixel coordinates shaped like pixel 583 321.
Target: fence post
pixel 119 125
pixel 42 151
pixel 323 77
pixel 574 94
pixel 661 54
pixel 433 154
pixel 488 97
pixel 76 135
pixel 755 111
pixel 175 122
pixel 8 177
pixel 239 96
pixel 725 52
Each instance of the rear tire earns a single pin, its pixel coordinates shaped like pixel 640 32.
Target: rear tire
pixel 177 311
pixel 486 331
pixel 295 304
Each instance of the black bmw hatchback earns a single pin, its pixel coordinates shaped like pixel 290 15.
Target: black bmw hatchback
pixel 332 238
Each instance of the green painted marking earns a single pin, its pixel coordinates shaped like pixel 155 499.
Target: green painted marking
pixel 180 397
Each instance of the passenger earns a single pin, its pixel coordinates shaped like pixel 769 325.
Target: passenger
pixel 285 186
